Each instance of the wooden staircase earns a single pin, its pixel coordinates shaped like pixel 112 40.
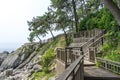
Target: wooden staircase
pixel 80 57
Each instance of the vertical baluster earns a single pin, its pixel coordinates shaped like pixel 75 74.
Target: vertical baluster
pixel 82 69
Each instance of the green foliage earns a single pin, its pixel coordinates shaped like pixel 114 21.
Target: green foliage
pixel 101 19
pixel 113 55
pixel 31 37
pixel 98 64
pixel 40 75
pixel 69 40
pixel 110 52
pixel 47 58
pixel 106 47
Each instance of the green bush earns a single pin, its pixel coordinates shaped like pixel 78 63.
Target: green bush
pixel 47 58
pixel 113 55
pixel 69 40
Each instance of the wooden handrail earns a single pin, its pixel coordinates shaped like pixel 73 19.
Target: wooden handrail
pixel 89 33
pixel 65 75
pixel 76 68
pixel 94 38
pixel 61 55
pixel 108 65
pixel 69 72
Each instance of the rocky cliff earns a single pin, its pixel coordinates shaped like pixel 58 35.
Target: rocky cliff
pixel 20 64
pixel 26 63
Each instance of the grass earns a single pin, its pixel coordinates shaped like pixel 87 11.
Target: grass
pixel 48 59
pixel 41 75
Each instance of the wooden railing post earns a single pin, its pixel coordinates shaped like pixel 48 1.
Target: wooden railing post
pixel 109 65
pixel 93 42
pixel 81 49
pixel 82 69
pixel 73 74
pixel 66 58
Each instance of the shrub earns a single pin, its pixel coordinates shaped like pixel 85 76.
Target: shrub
pixel 47 58
pixel 113 55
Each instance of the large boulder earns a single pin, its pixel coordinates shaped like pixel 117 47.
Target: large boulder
pixel 17 57
pixel 3 56
pixel 2 77
pixel 8 72
pixel 37 68
pixel 12 61
pixel 27 49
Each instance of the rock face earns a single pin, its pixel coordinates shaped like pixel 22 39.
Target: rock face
pixel 10 62
pixel 17 57
pixel 3 56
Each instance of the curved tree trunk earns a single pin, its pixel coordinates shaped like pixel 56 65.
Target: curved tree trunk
pixel 51 33
pixel 75 15
pixel 39 39
pixel 113 8
pixel 66 38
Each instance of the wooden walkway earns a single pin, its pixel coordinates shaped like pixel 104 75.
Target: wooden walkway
pixel 99 74
pixel 80 53
pixel 88 63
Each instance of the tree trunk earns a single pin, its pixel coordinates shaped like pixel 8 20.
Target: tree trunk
pixel 119 4
pixel 52 34
pixel 113 8
pixel 75 15
pixel 66 39
pixel 39 39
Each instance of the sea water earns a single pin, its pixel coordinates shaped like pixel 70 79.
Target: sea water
pixel 9 47
pixel 9 50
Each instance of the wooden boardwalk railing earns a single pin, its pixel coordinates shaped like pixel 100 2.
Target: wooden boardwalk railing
pixel 87 33
pixel 108 65
pixel 68 55
pixel 61 55
pixel 74 71
pixel 74 56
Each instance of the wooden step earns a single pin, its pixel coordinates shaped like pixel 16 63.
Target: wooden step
pixel 88 63
pixel 76 44
pixel 81 39
pixel 95 73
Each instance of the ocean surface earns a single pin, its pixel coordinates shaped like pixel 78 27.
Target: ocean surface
pixel 9 46
pixel 9 50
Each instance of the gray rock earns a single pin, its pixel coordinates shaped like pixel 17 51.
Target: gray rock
pixel 37 68
pixel 5 52
pixel 12 61
pixel 17 78
pixel 8 72
pixel 17 57
pixel 29 67
pixel 2 77
pixel 10 78
pixel 3 56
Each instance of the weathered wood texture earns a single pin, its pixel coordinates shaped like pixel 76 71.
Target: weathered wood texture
pixel 87 33
pixel 73 57
pixel 93 71
pixel 109 65
pixel 74 71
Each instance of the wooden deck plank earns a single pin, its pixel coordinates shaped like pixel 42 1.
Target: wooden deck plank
pixel 93 71
pixel 88 63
